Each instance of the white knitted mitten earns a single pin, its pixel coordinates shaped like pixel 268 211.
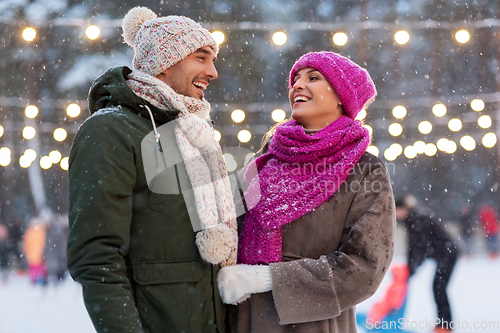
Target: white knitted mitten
pixel 237 283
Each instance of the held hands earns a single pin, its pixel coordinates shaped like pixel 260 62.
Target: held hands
pixel 237 283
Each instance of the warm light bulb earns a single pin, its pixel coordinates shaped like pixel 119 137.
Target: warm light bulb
pixel 278 115
pixel 395 129
pixel 477 105
pixel 238 116
pixel 60 134
pixel 279 38
pixel 399 112
pixel 439 110
pixel 31 111
pixel 29 132
pixel 64 163
pixel 425 127
pixel 29 34
pixel 218 36
pixel 462 36
pixel 93 32
pixel 340 39
pixel 73 110
pixel 402 37
pixel 244 136
pixel 489 140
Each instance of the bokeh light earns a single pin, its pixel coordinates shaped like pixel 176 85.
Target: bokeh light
pixel 410 152
pixel 489 140
pixel 73 110
pixel 455 124
pixel 430 149
pixel 30 154
pixel 93 32
pixel 419 147
pixel 5 156
pixel 278 115
pixel 439 110
pixel 45 162
pixel 462 36
pixel 244 136
pixel 399 112
pixel 425 127
pixel 395 129
pixel 373 150
pixel 31 111
pixel 361 114
pixel 231 163
pixel 217 135
pixel 29 34
pixel 402 37
pixel 238 116
pixel 484 121
pixel 477 105
pixel 279 38
pixel 218 36
pixel 60 134
pixel 369 128
pixel 55 156
pixel 339 39
pixel 468 142
pixel 29 132
pixel 64 163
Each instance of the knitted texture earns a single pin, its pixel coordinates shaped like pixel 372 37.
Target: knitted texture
pixel 297 174
pixel 160 43
pixel 352 83
pixel 205 166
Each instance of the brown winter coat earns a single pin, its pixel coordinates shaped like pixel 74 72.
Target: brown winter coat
pixel 333 258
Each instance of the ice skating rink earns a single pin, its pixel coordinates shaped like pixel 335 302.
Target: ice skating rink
pixel 474 292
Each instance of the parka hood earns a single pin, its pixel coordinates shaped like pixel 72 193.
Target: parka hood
pixel 111 89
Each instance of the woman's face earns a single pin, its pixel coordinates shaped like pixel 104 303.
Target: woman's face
pixel 314 102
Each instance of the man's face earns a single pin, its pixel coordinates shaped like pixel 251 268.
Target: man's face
pixel 191 75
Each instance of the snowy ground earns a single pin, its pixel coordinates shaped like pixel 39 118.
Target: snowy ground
pixel 474 295
pixel 25 308
pixel 474 292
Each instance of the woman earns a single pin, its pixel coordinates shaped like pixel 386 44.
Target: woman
pixel 321 237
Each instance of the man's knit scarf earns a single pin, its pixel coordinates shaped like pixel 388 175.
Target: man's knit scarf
pixel 205 166
pixel 297 174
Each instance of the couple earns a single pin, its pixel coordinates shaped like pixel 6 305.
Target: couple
pixel 302 260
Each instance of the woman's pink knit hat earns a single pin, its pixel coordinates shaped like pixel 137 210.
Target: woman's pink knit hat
pixel 352 83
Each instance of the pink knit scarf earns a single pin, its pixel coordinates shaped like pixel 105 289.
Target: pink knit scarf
pixel 297 174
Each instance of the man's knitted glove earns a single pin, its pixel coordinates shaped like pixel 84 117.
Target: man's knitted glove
pixel 237 283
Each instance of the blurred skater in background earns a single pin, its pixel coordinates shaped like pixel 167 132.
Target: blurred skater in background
pixel 428 239
pixel 488 217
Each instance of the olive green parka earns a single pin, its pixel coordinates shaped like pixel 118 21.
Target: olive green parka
pixel 132 250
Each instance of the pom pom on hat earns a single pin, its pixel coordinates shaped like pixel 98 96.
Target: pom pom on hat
pixel 351 82
pixel 161 42
pixel 133 21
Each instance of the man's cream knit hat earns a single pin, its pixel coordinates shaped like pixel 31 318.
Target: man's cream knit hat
pixel 161 42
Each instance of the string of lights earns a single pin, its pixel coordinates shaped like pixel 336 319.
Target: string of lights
pixel 279 37
pixel 401 31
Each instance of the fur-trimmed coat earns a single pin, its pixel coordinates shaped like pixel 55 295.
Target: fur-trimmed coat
pixel 333 258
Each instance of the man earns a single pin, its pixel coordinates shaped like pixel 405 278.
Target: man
pixel 427 239
pixel 135 194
